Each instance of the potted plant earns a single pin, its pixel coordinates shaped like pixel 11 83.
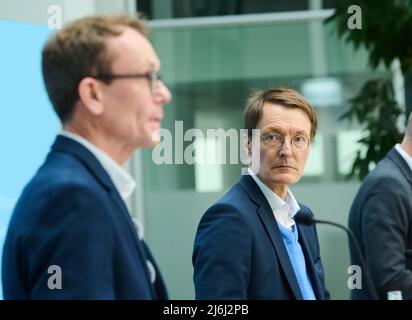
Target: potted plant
pixel 384 29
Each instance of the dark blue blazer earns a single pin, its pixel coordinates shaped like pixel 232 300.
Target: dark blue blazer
pixel 71 215
pixel 239 252
pixel 381 219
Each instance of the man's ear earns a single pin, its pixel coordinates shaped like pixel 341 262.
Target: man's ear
pixel 90 95
pixel 247 144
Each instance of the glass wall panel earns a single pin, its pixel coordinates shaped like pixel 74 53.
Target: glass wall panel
pixel 160 9
pixel 211 72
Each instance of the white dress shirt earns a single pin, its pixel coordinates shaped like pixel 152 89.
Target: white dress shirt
pixel 121 179
pixel 404 155
pixel 283 210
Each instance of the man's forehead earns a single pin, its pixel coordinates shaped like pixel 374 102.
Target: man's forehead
pixel 133 49
pixel 274 111
pixel 277 117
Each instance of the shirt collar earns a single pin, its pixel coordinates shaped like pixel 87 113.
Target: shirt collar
pixel 121 179
pixel 284 210
pixel 404 155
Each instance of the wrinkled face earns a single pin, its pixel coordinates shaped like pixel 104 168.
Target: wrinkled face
pixel 282 164
pixel 132 113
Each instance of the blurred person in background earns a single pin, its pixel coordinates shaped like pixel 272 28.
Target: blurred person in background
pixel 381 219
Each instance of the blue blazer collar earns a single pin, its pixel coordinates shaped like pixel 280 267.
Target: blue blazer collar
pixel 67 145
pixel 400 162
pixel 266 215
pixel 268 220
pixel 304 241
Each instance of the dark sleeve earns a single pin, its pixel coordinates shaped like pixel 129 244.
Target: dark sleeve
pixel 222 255
pixel 74 232
pixel 385 232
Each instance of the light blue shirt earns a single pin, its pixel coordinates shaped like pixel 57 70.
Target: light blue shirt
pixel 284 211
pixel 291 240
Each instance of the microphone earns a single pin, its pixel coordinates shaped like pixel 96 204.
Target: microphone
pixel 308 219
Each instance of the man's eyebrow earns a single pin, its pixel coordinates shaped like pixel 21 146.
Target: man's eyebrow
pixel 280 130
pixel 303 132
pixel 271 128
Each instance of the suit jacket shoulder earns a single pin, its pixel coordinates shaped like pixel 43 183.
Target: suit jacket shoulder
pixel 380 217
pixel 70 215
pixel 239 252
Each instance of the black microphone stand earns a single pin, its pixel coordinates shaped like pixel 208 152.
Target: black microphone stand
pixel 362 261
pixel 308 219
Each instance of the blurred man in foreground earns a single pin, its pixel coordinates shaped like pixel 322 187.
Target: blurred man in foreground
pixel 71 235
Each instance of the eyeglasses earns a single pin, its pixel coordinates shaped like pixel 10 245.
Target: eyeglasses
pixel 274 140
pixel 153 77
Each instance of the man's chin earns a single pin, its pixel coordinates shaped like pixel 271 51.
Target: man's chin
pixel 156 136
pixel 150 144
pixel 285 179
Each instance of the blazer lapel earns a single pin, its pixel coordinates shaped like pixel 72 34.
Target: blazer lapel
pixel 304 242
pixel 266 215
pixel 394 156
pixel 125 216
pixel 67 145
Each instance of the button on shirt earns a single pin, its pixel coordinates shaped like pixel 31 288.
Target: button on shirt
pixel 283 210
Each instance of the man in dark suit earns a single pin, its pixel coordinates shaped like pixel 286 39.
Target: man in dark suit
pixel 381 218
pixel 248 245
pixel 71 235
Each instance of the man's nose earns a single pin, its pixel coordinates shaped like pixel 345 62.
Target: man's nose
pixel 285 148
pixel 163 95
